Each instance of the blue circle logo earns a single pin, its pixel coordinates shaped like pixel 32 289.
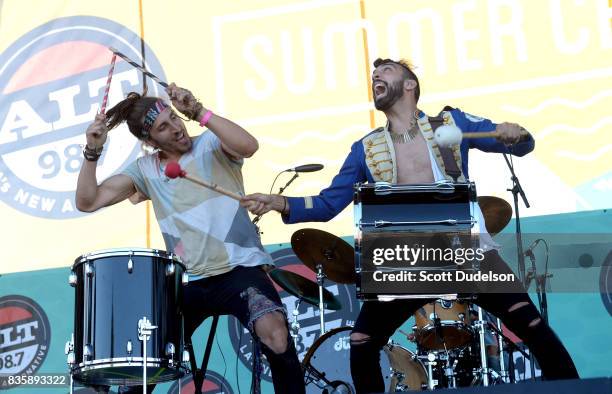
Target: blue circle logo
pixel 52 82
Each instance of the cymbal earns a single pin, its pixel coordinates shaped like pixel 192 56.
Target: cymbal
pixel 336 256
pixel 304 289
pixel 496 211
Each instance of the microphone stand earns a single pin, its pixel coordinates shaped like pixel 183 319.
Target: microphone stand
pixel 293 178
pixel 517 190
pixel 280 191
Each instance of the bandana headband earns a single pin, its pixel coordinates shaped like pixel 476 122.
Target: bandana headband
pixel 152 113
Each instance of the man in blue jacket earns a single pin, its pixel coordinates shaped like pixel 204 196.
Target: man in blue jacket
pixel 405 152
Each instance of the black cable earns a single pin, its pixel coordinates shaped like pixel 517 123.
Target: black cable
pixel 274 181
pixel 258 217
pixel 222 356
pixel 238 356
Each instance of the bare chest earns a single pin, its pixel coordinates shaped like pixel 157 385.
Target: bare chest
pixel 413 161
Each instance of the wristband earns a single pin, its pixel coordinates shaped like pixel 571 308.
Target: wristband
pixel 205 118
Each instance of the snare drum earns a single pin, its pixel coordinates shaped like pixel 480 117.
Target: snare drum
pixel 453 329
pixel 114 290
pixel 424 218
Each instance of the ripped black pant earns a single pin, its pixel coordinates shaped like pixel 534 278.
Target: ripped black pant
pixel 379 320
pixel 246 293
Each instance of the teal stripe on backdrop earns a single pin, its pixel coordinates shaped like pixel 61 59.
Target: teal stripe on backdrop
pixel 581 320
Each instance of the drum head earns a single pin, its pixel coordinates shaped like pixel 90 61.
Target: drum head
pixel 121 372
pixel 330 355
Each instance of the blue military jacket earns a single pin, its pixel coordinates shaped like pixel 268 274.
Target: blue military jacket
pixel 372 159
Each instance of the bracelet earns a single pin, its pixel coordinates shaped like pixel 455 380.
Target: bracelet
pixel 92 154
pixel 205 118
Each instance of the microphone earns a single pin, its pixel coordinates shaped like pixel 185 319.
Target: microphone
pixel 306 168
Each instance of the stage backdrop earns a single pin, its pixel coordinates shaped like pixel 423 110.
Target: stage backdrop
pixel 296 75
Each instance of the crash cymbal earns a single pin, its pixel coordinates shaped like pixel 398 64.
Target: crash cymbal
pixel 496 211
pixel 303 288
pixel 336 256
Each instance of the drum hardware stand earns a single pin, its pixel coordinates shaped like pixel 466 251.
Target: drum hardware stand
pixel 400 376
pixel 295 324
pixel 430 361
pixel 320 281
pixel 315 377
pixel 511 347
pixel 480 326
pixel 69 351
pixel 502 362
pixel 199 375
pixel 517 190
pixel 145 329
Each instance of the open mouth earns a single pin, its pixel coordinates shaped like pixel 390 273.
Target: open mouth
pixel 182 138
pixel 379 89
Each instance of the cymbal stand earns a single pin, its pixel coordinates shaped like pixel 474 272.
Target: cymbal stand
pixel 502 364
pixel 320 281
pixel 484 370
pixel 295 324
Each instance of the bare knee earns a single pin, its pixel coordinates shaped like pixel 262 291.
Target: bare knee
pixel 271 330
pixel 535 322
pixel 518 305
pixel 358 338
pixel 523 304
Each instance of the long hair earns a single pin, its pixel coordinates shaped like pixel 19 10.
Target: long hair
pixel 132 110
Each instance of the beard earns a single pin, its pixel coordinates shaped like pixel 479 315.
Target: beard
pixel 395 91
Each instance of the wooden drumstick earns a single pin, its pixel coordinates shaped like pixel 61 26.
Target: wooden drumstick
pixel 448 135
pixel 173 170
pixel 488 134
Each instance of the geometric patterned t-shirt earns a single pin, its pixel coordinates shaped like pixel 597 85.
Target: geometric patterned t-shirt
pixel 211 233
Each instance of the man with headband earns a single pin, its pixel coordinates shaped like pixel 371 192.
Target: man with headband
pixel 212 233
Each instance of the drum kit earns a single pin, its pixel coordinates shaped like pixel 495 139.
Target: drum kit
pixel 449 334
pixel 120 339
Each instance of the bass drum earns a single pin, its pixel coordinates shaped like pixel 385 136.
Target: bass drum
pixel 327 364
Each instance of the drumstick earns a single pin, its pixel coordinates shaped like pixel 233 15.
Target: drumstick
pixel 108 82
pixel 173 170
pixel 448 135
pixel 139 67
pixel 488 134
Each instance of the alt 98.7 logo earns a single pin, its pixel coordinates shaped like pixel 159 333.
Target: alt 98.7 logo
pixel 52 81
pixel 24 338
